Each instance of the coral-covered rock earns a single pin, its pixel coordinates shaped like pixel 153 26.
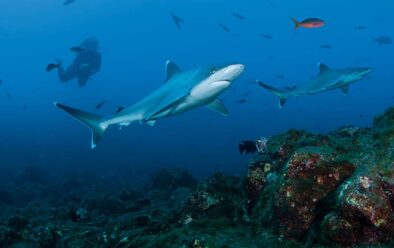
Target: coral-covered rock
pixel 364 198
pixel 310 175
pixel 254 183
pixel 17 222
pixel 129 195
pixel 170 180
pixel 282 146
pixel 220 196
pixel 343 231
pixel 365 210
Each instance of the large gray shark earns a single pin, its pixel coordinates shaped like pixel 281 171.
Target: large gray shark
pixel 327 79
pixel 181 92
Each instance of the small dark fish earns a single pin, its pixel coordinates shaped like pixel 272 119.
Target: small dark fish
pixel 280 76
pixel 272 57
pixel 326 46
pixel 177 20
pixel 290 87
pixel 77 49
pixel 120 108
pixel 239 16
pixel 225 28
pixel 100 104
pixel 266 36
pixel 379 20
pixel 67 2
pixel 1 82
pixel 8 95
pixel 309 23
pixel 360 27
pixel 383 40
pixel 51 67
pixel 247 147
pixel 246 93
pixel 24 106
pixel 241 101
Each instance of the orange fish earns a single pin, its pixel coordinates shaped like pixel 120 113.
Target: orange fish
pixel 309 23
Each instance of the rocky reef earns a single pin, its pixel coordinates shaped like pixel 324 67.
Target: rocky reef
pixel 327 189
pixel 300 190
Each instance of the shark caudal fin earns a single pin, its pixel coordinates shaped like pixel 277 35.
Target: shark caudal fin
pixel 296 23
pixel 282 94
pixel 92 121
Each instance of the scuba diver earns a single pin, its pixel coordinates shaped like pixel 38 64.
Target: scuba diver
pixel 86 63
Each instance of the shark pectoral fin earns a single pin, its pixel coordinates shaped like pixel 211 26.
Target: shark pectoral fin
pixel 171 69
pixel 282 101
pixel 218 106
pixel 345 89
pixel 151 123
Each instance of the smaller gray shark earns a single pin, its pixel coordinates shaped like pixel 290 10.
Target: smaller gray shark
pixel 327 79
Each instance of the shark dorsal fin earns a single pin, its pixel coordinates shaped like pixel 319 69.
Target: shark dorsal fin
pixel 345 89
pixel 171 70
pixel 323 68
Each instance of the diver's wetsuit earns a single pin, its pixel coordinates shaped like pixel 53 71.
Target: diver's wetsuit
pixel 84 65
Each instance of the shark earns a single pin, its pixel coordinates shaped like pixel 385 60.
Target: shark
pixel 181 92
pixel 326 80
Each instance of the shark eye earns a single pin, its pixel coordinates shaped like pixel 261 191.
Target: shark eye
pixel 213 70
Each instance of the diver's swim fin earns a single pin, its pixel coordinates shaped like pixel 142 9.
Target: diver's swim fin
pixel 92 121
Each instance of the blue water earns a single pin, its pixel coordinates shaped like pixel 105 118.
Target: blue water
pixel 137 37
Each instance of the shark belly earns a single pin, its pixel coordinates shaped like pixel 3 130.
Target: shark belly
pixel 183 105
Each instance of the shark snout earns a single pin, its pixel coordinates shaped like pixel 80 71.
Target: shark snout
pixel 368 71
pixel 365 71
pixel 234 71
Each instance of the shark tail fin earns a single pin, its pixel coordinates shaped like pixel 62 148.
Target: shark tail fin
pixel 282 94
pixel 296 23
pixel 92 121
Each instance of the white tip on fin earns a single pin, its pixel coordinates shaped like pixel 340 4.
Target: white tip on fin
pixel 218 106
pixel 151 123
pixel 171 69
